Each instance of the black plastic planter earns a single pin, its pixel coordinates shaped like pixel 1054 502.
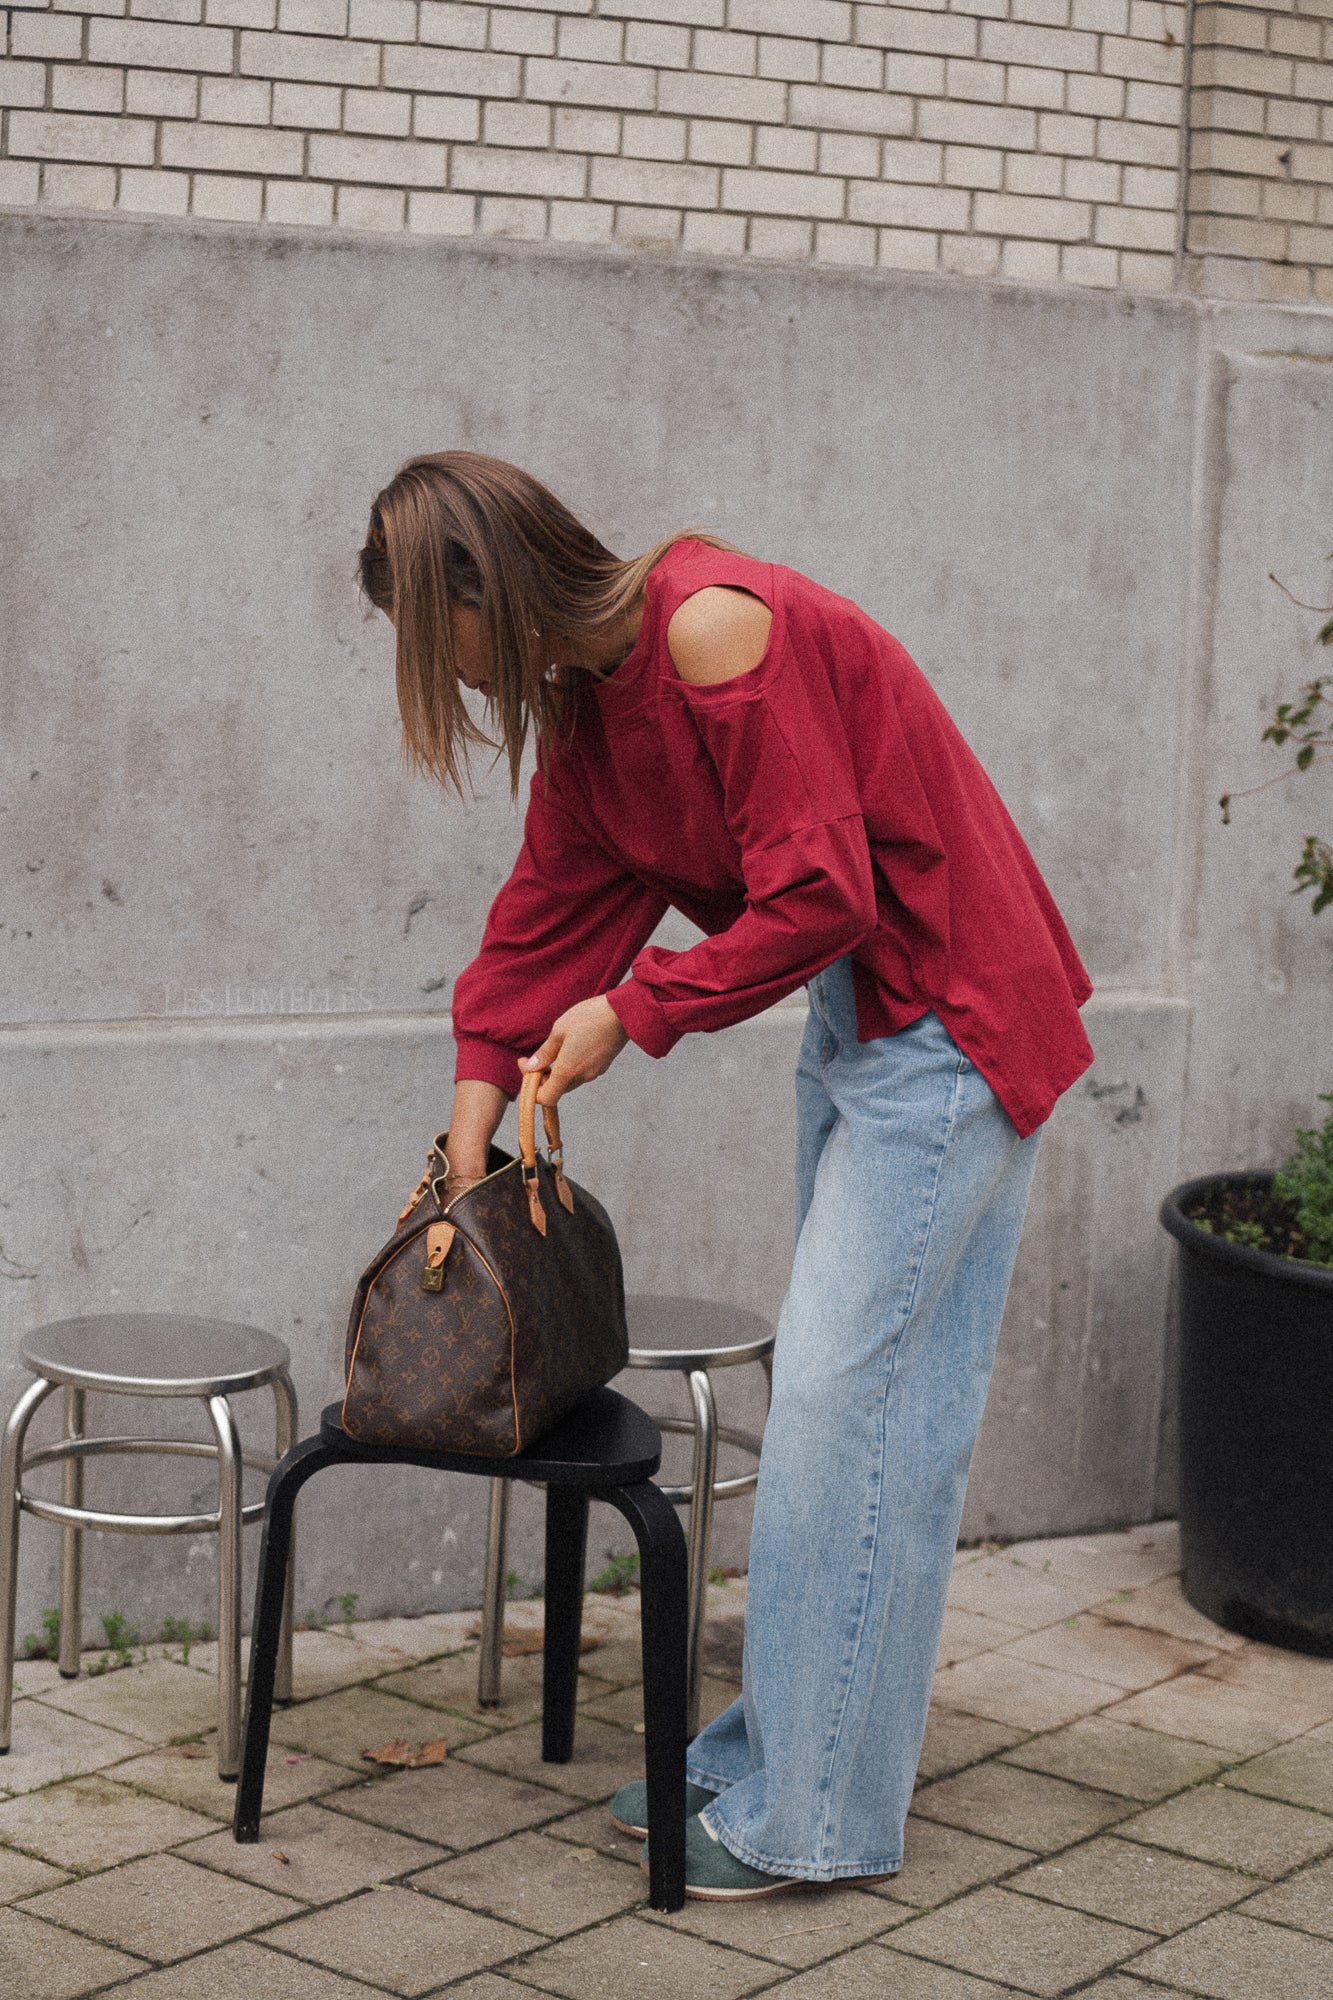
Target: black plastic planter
pixel 1256 1432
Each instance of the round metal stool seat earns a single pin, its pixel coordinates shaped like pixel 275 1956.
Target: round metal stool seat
pixel 142 1354
pixel 694 1336
pixel 690 1337
pixel 155 1354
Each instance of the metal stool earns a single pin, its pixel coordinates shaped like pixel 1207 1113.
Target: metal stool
pixel 143 1354
pixel 691 1335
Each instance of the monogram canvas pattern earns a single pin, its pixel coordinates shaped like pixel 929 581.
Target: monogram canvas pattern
pixel 525 1325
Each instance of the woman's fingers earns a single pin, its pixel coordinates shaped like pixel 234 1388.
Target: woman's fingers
pixel 583 1043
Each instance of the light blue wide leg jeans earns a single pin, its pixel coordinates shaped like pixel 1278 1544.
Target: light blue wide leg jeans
pixel 911 1184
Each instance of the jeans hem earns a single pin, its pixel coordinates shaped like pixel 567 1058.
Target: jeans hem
pixel 706 1781
pixel 798 1871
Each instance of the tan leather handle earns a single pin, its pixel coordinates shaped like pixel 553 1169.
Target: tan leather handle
pixel 527 1148
pixel 527 1118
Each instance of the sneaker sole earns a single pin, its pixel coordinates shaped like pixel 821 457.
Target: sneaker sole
pixel 781 1885
pixel 639 1832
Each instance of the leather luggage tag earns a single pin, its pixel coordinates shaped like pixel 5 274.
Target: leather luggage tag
pixel 439 1240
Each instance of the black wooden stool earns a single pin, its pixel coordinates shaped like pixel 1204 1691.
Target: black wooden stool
pixel 607 1449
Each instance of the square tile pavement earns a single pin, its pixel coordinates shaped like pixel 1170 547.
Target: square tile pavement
pixel 456 1805
pixel 877 1972
pixel 1234 1957
pixel 47 1745
pixel 340 1727
pixel 551 1886
pixel 399 1940
pixel 248 1970
pixel 187 1774
pixel 1216 1823
pixel 633 1959
pixel 314 1855
pixel 1040 1947
pixel 160 1907
pixel 1024 1808
pixel 1114 1796
pixel 40 1962
pixel 604 1758
pixel 1110 1877
pixel 1300 1772
pixel 94 1823
pixel 1136 1763
pixel 1006 1688
pixel 1303 1900
pixel 795 1930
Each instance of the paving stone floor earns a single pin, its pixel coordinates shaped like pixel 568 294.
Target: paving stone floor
pixel 1116 1799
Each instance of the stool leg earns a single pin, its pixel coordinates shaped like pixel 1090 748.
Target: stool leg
pixel 71 1543
pixel 284 1395
pixel 286 1481
pixel 493 1596
pixel 701 1527
pixel 566 1553
pixel 11 1475
pixel 229 1585
pixel 662 1568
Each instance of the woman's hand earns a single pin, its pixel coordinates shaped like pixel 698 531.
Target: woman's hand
pixel 584 1042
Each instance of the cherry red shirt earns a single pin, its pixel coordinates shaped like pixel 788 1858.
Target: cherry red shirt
pixel 823 803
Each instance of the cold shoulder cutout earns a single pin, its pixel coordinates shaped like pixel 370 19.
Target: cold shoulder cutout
pixel 719 633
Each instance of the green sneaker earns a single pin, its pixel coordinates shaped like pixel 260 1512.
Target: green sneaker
pixel 629 1807
pixel 714 1875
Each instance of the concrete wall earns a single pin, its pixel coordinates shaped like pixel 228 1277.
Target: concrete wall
pixel 231 919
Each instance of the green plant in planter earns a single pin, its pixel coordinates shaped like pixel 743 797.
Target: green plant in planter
pixel 1295 1219
pixel 1253 1309
pixel 1306 1183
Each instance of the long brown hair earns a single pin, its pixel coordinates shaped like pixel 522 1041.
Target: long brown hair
pixel 456 527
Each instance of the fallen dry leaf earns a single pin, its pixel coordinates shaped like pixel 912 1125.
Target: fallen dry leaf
pixel 519 1640
pixel 278 1855
pixel 408 1756
pixel 299 1757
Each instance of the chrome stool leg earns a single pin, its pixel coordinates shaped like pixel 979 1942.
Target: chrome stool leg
pixel 284 1396
pixel 229 1586
pixel 701 1526
pixel 493 1596
pixel 71 1542
pixel 11 1470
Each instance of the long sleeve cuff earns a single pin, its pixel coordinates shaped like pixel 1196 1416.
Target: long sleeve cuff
pixel 643 1018
pixel 481 1061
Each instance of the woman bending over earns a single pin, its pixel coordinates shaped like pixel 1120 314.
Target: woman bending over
pixel 723 736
